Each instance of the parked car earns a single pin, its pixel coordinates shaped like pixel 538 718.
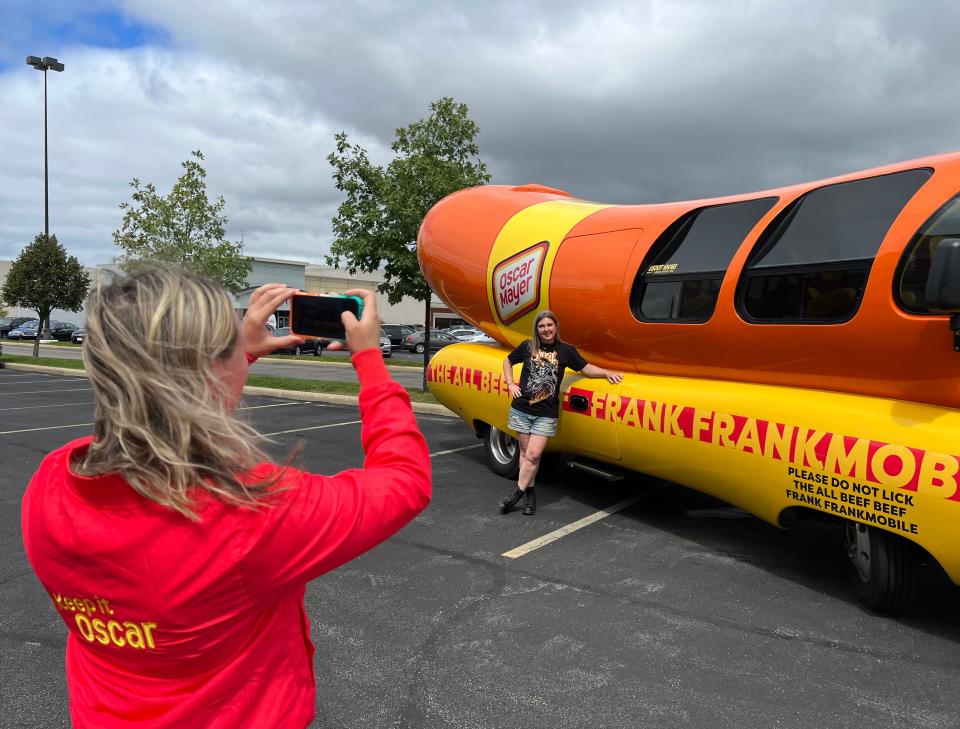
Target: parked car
pixel 310 345
pixel 27 330
pixel 438 340
pixel 397 332
pixel 8 323
pixel 386 346
pixel 462 332
pixel 62 330
pixel 78 335
pixel 480 337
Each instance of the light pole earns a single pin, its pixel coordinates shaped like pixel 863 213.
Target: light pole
pixel 47 63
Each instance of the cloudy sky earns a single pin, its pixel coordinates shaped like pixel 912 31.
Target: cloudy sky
pixel 641 101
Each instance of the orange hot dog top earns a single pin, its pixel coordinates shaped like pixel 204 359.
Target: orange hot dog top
pixel 588 269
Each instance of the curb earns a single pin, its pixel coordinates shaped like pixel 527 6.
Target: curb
pixel 43 368
pixel 418 407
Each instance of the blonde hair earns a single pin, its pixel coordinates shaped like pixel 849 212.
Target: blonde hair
pixel 535 343
pixel 161 424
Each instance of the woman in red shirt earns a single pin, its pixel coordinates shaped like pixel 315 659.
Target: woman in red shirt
pixel 176 553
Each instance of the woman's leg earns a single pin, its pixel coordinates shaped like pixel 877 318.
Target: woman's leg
pixel 522 439
pixel 506 504
pixel 530 453
pixel 529 465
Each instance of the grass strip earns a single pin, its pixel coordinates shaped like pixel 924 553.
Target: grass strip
pixel 330 357
pixel 73 364
pixel 326 357
pixel 328 386
pixel 278 383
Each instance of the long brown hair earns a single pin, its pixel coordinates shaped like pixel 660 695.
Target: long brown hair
pixel 535 343
pixel 161 424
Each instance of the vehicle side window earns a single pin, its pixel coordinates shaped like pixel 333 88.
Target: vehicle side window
pixel 911 278
pixel 679 279
pixel 811 264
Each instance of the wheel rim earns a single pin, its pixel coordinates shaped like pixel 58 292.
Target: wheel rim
pixel 419 349
pixel 857 537
pixel 503 447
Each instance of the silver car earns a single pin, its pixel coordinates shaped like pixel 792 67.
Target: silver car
pixel 386 348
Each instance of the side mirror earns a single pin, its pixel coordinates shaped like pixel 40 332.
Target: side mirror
pixel 942 292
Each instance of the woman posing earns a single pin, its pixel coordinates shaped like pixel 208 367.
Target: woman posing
pixel 536 399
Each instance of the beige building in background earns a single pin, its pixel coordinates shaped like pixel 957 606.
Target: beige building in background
pixel 297 274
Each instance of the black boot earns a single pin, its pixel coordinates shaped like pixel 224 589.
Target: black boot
pixel 530 503
pixel 509 502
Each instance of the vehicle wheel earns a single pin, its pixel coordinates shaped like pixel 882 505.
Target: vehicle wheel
pixel 880 566
pixel 296 350
pixel 317 350
pixel 503 453
pixel 419 347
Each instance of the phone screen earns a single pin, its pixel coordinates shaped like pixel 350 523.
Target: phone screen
pixel 319 316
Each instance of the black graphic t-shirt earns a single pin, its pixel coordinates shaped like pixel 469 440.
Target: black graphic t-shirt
pixel 542 375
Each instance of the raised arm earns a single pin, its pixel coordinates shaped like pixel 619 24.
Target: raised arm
pixel 597 372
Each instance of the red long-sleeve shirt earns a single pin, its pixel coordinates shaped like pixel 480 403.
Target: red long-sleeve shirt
pixel 174 623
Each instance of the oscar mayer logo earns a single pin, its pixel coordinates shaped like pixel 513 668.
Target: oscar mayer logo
pixel 516 282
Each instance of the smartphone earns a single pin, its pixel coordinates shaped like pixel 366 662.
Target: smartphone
pixel 318 315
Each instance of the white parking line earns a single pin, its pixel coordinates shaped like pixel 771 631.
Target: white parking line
pixel 275 405
pixel 58 405
pixel 569 529
pixel 33 382
pixel 51 392
pixel 455 450
pixel 49 427
pixel 312 427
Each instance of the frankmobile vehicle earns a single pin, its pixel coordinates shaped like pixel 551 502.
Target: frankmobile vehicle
pixel 794 352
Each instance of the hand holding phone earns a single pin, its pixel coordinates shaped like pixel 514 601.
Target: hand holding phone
pixel 318 315
pixel 359 320
pixel 263 302
pixel 365 333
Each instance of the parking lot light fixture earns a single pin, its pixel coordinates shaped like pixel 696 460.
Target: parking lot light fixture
pixel 47 63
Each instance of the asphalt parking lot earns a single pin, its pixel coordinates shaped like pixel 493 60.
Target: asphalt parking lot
pixel 676 611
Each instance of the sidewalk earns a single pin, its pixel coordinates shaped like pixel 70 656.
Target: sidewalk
pixel 418 407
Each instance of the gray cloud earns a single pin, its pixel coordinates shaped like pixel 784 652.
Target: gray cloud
pixel 621 102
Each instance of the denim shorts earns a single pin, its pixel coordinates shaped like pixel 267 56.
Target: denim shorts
pixel 523 422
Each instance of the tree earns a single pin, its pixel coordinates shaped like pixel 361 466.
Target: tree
pixel 44 278
pixel 376 226
pixel 184 227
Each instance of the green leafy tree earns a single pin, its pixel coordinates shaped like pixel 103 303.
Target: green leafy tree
pixel 376 226
pixel 44 278
pixel 184 227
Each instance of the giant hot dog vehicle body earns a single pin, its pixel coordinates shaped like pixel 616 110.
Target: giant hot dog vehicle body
pixel 780 349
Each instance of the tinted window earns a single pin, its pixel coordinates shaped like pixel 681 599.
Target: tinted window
pixel 841 222
pixel 680 278
pixel 706 239
pixel 812 264
pixel 912 274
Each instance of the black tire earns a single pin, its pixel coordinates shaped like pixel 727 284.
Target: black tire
pixel 317 349
pixel 881 567
pixel 503 453
pixel 296 350
pixel 418 348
